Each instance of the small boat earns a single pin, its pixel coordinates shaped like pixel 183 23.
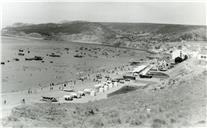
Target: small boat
pixel 35 58
pixel 53 55
pixel 78 56
pixel 16 59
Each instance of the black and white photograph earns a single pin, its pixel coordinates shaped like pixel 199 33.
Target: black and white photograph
pixel 118 64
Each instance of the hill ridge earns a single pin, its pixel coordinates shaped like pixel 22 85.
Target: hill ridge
pixel 119 34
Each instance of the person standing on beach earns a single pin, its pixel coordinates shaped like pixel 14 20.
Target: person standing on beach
pixel 4 101
pixel 23 101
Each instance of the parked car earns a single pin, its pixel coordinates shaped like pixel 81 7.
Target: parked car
pixel 121 81
pixel 74 94
pixel 68 97
pixel 127 77
pixel 49 99
pixel 145 76
pixel 81 93
pixel 87 91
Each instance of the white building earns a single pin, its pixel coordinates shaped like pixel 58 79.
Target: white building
pixel 176 53
pixel 202 56
pixel 180 52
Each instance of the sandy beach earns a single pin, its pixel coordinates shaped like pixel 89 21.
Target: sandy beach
pixel 21 77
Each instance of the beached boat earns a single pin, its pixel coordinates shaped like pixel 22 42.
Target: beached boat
pixel 35 58
pixel 53 55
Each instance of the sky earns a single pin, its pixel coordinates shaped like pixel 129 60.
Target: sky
pixel 43 12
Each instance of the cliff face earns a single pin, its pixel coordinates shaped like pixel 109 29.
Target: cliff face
pixel 118 34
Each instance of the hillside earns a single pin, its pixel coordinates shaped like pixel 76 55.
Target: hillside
pixel 72 31
pixel 136 35
pixel 135 27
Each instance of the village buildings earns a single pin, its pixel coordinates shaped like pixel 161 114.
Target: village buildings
pixel 202 56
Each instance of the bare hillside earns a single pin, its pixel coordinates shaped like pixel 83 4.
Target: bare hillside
pixel 108 33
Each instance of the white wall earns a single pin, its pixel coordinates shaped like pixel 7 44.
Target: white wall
pixel 175 54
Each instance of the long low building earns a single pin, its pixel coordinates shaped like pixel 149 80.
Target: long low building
pixel 140 68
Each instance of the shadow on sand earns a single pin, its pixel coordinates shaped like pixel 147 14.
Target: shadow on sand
pixel 123 90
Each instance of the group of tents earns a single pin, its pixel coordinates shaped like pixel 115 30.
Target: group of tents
pixel 98 88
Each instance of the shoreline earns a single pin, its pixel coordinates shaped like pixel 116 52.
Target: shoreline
pixel 80 42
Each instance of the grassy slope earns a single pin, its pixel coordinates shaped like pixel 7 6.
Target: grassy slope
pixel 181 103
